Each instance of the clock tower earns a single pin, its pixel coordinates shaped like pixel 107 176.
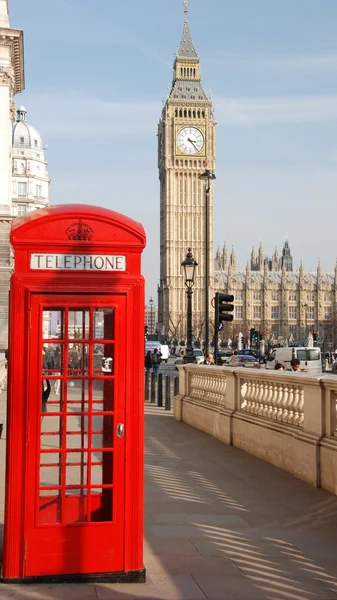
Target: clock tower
pixel 186 148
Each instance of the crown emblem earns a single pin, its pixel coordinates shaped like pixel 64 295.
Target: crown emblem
pixel 79 231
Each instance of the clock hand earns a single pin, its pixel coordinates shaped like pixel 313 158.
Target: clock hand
pixel 193 143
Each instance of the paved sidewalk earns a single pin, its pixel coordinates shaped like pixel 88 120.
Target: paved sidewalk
pixel 221 525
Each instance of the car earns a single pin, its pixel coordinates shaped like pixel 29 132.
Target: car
pixel 224 355
pixel 199 357
pixel 245 360
pixel 251 352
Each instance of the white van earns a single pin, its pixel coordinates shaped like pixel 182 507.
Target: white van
pixel 310 358
pixel 165 352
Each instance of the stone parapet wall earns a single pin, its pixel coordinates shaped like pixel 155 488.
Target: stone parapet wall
pixel 286 419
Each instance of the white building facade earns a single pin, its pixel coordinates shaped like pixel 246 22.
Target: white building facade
pixel 11 83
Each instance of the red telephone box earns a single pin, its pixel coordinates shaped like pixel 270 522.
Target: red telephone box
pixel 74 477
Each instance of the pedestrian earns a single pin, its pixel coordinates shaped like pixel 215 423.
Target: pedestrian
pixel 209 360
pixel 279 367
pixel 295 364
pixel 45 395
pixel 155 361
pixel 148 361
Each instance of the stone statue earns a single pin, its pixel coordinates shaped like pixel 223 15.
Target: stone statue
pixel 310 341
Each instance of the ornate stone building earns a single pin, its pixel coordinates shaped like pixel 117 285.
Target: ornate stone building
pixel 11 83
pixel 277 300
pixel 30 185
pixel 186 147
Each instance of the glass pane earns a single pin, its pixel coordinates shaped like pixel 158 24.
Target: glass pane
pixel 49 476
pixel 103 359
pixel 76 468
pixel 50 432
pixel 101 505
pixel 52 359
pixel 50 507
pixel 77 395
pixel 104 324
pixel 77 428
pixel 53 324
pixel 78 324
pixel 102 431
pixel 103 395
pixel 78 359
pixel 75 507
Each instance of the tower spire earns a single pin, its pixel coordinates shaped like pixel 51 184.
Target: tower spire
pixel 186 48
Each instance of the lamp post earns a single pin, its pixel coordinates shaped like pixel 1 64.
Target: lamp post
pixel 151 309
pixel 189 265
pixel 207 177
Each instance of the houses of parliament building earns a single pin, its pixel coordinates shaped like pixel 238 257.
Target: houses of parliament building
pixel 272 297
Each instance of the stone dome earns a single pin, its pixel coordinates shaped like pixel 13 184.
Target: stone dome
pixel 24 135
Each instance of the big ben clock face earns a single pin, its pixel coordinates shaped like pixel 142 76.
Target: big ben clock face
pixel 190 140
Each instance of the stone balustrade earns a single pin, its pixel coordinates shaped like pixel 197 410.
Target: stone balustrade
pixel 288 419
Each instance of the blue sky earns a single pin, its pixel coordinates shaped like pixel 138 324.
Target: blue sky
pixel 96 76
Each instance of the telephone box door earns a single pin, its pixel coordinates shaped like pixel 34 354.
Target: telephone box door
pixel 76 444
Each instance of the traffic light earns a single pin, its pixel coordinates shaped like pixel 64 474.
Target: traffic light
pixel 222 308
pixel 252 335
pixel 261 335
pixel 315 336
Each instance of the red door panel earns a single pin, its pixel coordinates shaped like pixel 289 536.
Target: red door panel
pixel 74 520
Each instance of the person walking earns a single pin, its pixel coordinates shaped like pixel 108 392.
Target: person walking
pixel 209 360
pixel 155 361
pixel 148 361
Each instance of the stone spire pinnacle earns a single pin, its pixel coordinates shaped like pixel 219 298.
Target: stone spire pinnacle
pixel 186 48
pixel 4 20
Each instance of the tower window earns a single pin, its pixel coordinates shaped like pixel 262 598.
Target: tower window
pixel 193 97
pixel 185 113
pixel 176 112
pixel 203 114
pixel 189 113
pixel 35 143
pixel 180 113
pixel 188 89
pixel 22 140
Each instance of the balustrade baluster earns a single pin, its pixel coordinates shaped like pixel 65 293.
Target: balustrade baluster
pixel 284 403
pixel 296 405
pixel 301 411
pixel 290 406
pixel 279 402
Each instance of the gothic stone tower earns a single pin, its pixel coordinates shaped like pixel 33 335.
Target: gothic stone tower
pixel 186 147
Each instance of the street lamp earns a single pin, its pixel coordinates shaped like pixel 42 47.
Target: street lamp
pixel 189 265
pixel 207 177
pixel 151 309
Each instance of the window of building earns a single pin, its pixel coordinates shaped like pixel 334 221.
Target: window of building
pixel 275 312
pixel 311 297
pixel 22 188
pixel 35 143
pixel 257 296
pixel 257 312
pixel 292 296
pixel 292 312
pixel 239 312
pixel 310 312
pixel 22 209
pixel 275 296
pixel 22 140
pixel 327 297
pixel 327 312
pixel 238 296
pixel 293 331
pixel 275 330
pixel 39 191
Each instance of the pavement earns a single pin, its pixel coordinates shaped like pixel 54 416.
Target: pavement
pixel 219 525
